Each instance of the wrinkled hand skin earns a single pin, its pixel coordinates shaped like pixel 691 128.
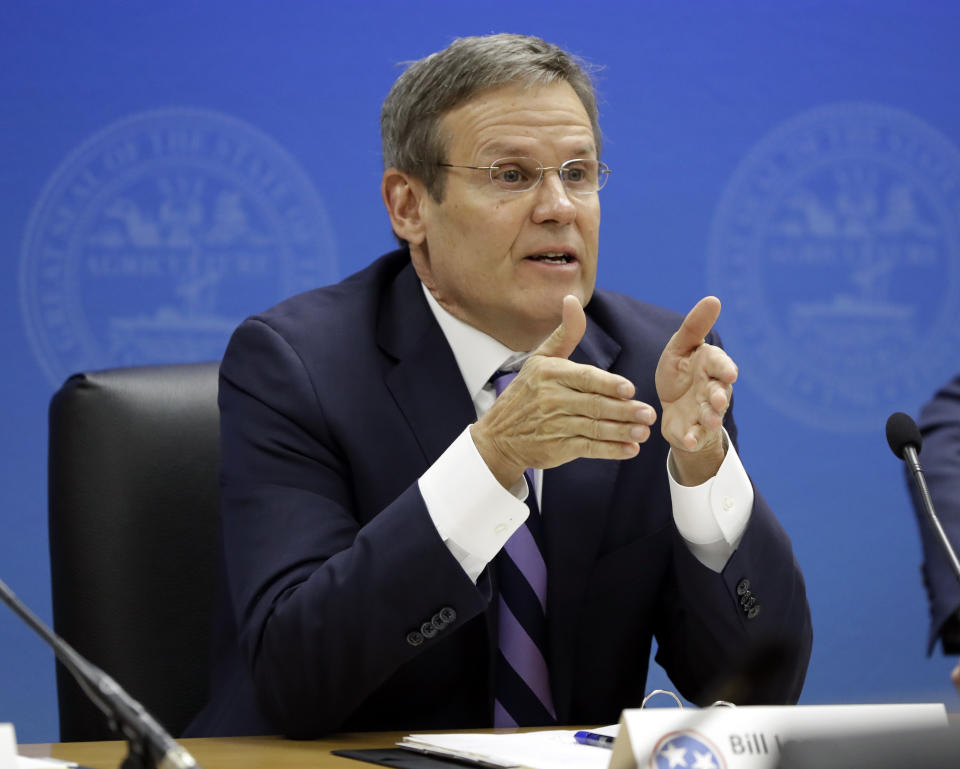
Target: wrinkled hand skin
pixel 557 410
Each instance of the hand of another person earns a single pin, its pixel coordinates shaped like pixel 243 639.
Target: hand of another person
pixel 557 410
pixel 695 384
pixel 955 677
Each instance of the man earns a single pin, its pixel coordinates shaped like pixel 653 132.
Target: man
pixel 387 561
pixel 940 426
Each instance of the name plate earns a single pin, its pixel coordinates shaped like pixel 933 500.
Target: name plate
pixel 8 747
pixel 749 737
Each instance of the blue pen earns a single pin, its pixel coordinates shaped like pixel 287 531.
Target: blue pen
pixel 592 738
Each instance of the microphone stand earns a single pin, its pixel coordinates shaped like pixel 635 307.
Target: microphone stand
pixel 149 745
pixel 913 465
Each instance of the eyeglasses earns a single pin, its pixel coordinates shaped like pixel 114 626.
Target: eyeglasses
pixel 581 176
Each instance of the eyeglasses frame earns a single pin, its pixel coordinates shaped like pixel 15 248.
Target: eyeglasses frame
pixel 603 173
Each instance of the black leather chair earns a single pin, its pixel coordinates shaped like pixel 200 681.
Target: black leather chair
pixel 134 530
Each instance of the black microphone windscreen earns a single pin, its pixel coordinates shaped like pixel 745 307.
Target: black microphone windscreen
pixel 902 431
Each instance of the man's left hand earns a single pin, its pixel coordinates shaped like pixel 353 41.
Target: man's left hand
pixel 695 384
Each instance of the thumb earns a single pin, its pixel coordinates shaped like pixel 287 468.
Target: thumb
pixel 565 337
pixel 696 325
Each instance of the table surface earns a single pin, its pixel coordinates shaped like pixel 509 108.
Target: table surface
pixel 246 752
pixel 232 752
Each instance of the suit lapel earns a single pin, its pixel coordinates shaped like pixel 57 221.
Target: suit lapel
pixel 425 380
pixel 577 498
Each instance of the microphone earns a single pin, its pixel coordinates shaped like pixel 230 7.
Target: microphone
pixel 905 441
pixel 150 747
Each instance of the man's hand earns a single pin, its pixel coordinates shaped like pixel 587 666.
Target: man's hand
pixel 557 410
pixel 695 383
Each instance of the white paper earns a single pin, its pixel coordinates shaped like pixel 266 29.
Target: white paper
pixel 9 758
pixel 554 749
pixel 749 737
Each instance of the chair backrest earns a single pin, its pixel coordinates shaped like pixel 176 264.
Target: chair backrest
pixel 134 530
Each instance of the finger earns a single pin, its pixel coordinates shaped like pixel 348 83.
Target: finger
pixel 695 435
pixel 696 325
pixel 590 379
pixel 596 406
pixel 609 431
pixel 565 337
pixel 710 418
pixel 718 397
pixel 690 436
pixel 578 425
pixel 590 449
pixel 717 364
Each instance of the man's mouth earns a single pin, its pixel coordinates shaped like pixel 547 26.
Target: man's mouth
pixel 553 257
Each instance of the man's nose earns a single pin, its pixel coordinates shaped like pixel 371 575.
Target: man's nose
pixel 553 202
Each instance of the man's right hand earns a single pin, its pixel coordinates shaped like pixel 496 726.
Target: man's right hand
pixel 557 410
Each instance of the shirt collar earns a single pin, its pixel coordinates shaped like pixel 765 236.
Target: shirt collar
pixel 477 354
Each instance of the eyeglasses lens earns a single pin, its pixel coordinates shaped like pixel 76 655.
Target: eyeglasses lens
pixel 581 176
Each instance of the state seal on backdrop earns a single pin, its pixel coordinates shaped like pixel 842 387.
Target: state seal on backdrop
pixel 156 236
pixel 836 250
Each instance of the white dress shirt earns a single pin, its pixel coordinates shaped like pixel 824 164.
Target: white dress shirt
pixel 475 515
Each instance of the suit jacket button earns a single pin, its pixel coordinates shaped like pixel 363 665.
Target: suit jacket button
pixel 743 586
pixel 414 638
pixel 428 630
pixel 447 614
pixel 437 621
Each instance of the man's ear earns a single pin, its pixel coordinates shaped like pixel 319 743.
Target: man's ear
pixel 403 195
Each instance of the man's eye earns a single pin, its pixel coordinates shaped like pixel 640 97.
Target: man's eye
pixel 575 174
pixel 510 175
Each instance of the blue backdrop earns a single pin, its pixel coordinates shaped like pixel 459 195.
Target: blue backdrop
pixel 169 168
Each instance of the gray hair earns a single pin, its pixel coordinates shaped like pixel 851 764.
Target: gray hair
pixel 431 87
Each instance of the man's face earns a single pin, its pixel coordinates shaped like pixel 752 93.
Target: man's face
pixel 503 261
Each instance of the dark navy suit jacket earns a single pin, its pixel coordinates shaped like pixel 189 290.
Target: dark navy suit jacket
pixel 333 403
pixel 940 457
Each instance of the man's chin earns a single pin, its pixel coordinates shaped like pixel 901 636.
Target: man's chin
pixel 549 306
pixel 538 327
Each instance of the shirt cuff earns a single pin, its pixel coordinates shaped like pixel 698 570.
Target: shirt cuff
pixel 473 513
pixel 713 516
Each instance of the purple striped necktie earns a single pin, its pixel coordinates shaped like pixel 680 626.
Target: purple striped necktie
pixel 522 682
